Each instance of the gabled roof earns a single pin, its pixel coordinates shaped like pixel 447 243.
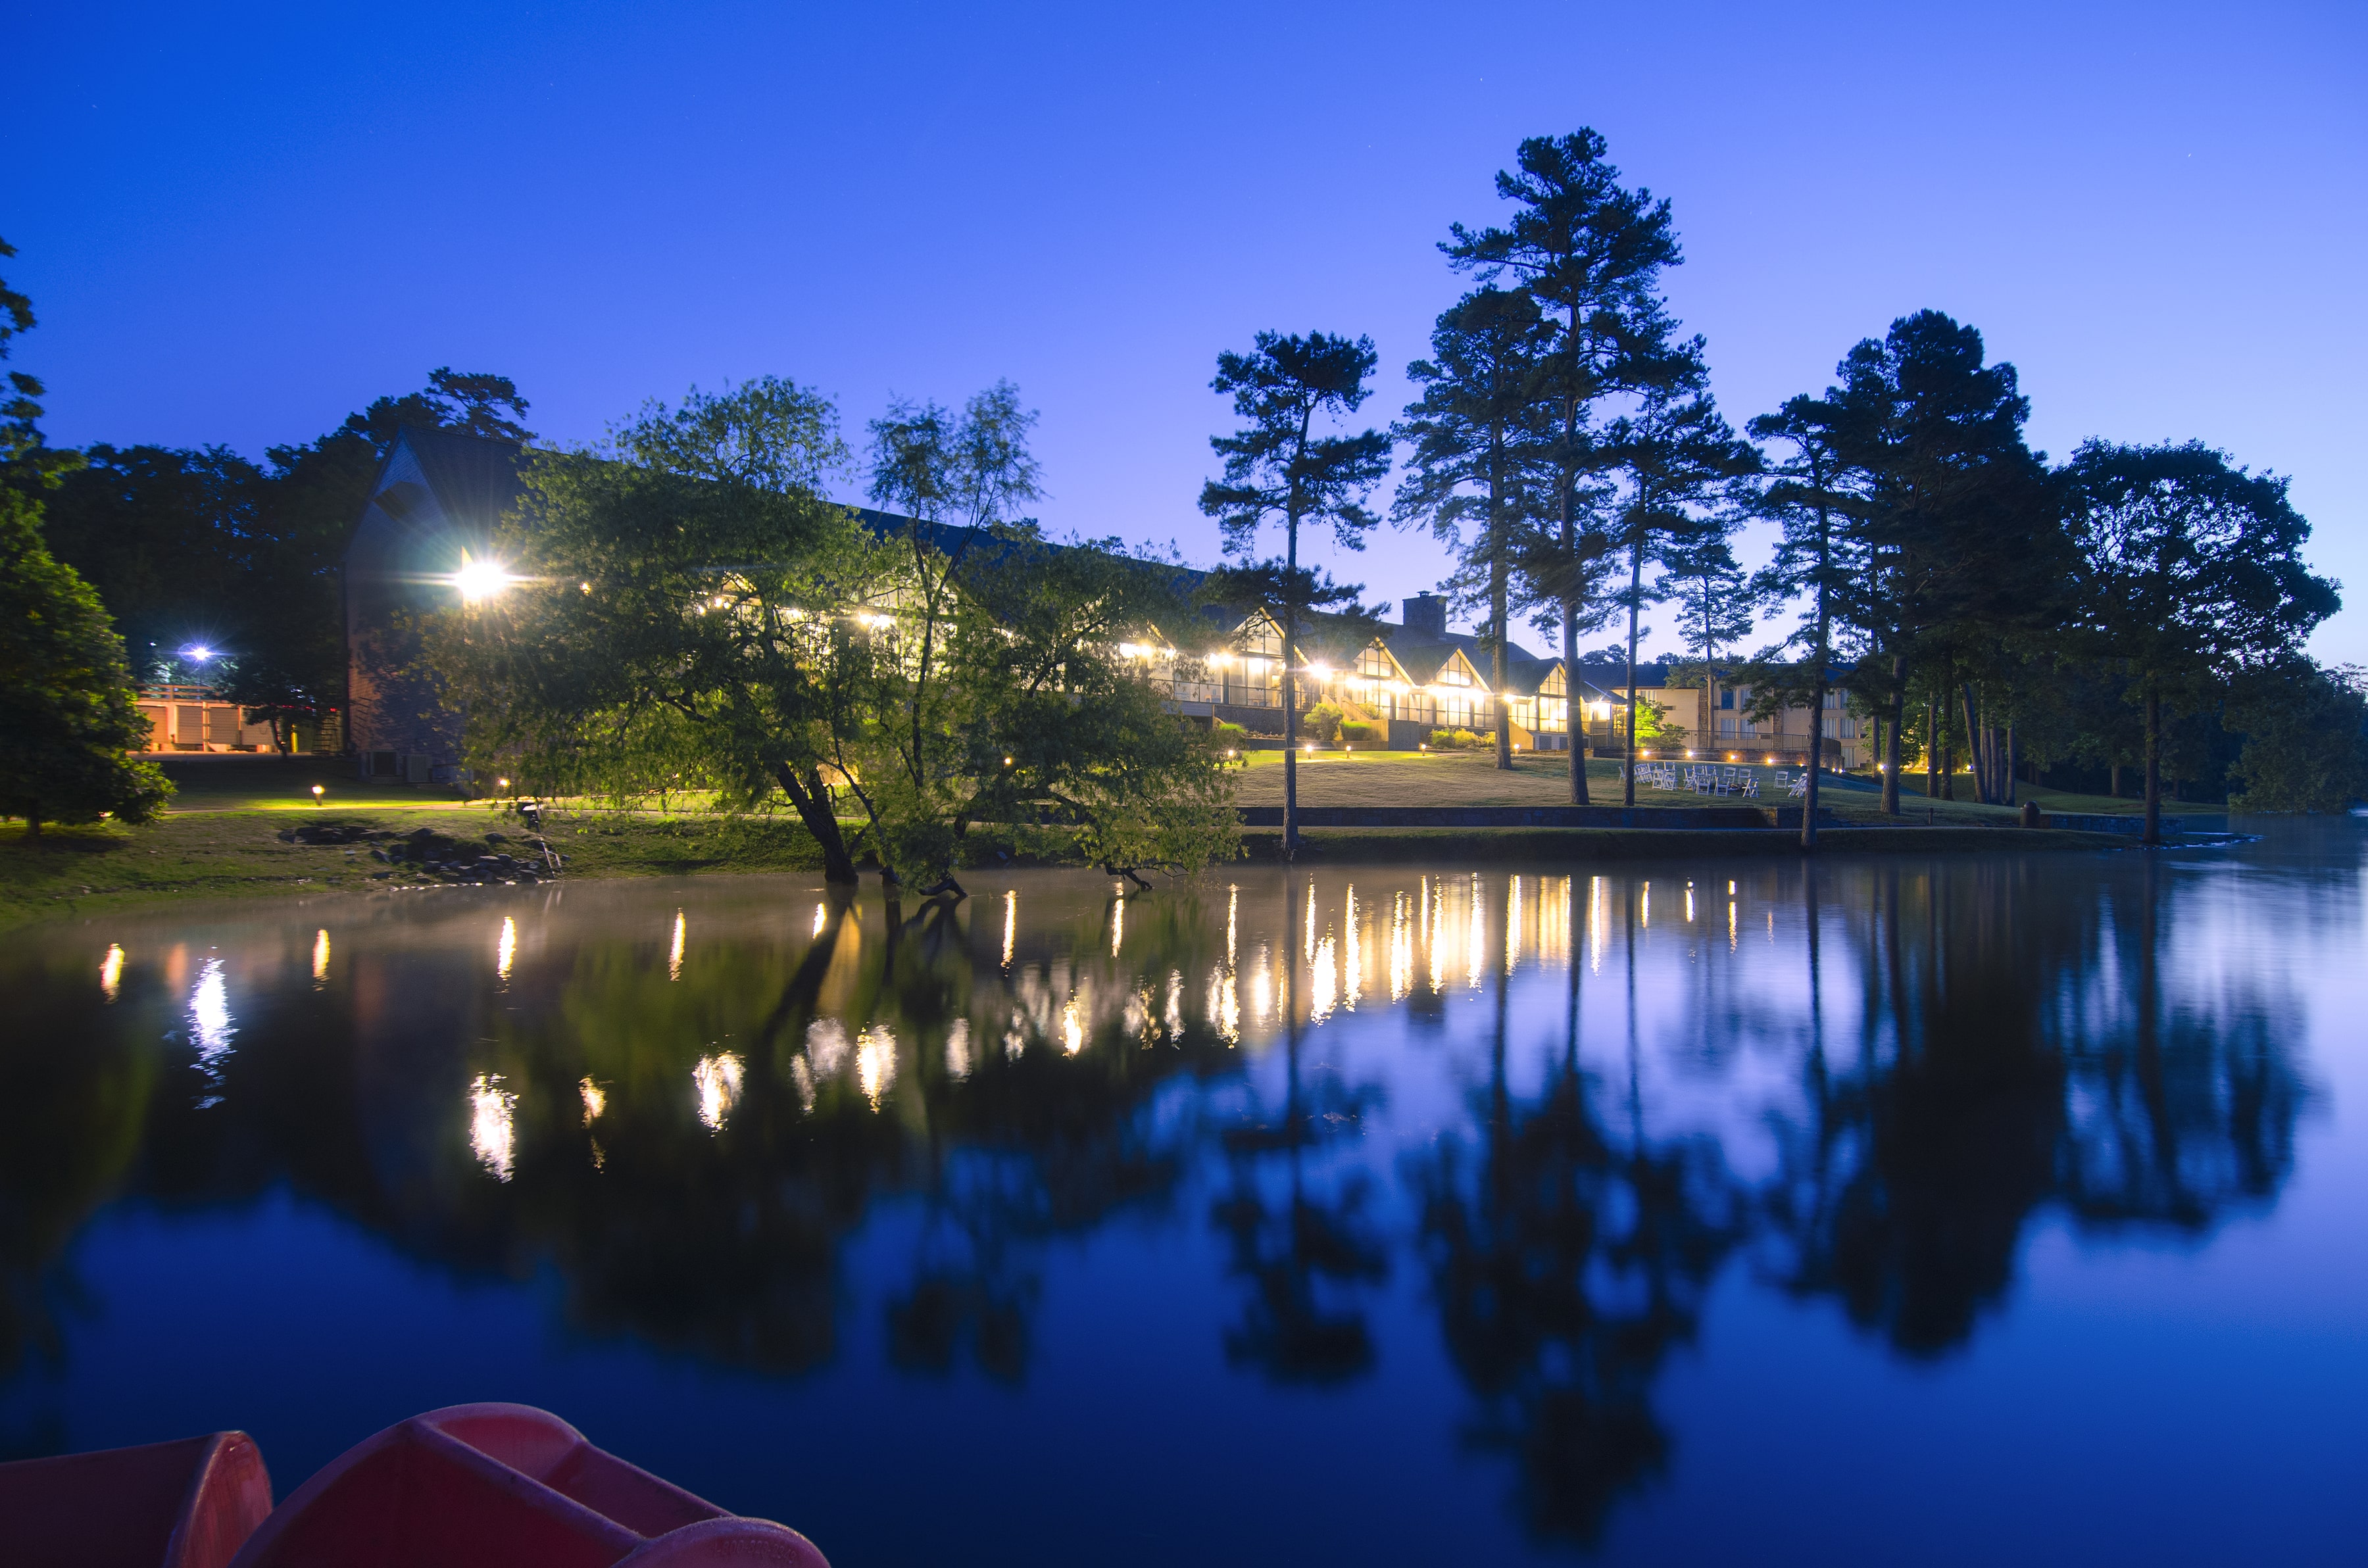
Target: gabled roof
pixel 1523 677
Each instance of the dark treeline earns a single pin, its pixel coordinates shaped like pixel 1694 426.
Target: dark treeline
pixel 207 548
pixel 138 564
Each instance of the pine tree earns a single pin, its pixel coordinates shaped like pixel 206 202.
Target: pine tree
pixel 1678 458
pixel 1279 468
pixel 1477 432
pixel 1591 252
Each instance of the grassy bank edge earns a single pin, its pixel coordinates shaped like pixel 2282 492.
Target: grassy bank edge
pixel 75 873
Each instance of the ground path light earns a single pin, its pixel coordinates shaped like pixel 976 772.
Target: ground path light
pixel 316 794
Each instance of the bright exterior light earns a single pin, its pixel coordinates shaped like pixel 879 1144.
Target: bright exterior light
pixel 197 653
pixel 501 783
pixel 480 580
pixel 1690 751
pixel 316 794
pixel 1730 756
pixel 1422 745
pixel 1308 750
pixel 586 587
pixel 1006 762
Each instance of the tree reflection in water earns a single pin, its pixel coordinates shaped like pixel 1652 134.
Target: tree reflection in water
pixel 1567 1262
pixel 1300 1246
pixel 2011 1052
pixel 698 1108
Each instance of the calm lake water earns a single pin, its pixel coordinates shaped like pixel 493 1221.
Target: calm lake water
pixel 1949 1210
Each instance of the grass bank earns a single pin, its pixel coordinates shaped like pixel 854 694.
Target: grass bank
pixel 250 853
pixel 231 854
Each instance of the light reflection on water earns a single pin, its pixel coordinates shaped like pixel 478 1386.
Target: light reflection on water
pixel 1490 1169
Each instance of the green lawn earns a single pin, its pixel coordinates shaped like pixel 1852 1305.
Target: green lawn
pixel 235 781
pixel 239 854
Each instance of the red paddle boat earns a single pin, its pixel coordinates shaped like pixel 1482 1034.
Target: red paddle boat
pixel 468 1487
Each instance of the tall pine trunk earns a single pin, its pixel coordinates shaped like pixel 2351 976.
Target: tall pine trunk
pixel 1290 691
pixel 1931 752
pixel 2153 833
pixel 1635 600
pixel 1894 708
pixel 1574 719
pixel 1573 724
pixel 1499 610
pixel 1817 706
pixel 1979 750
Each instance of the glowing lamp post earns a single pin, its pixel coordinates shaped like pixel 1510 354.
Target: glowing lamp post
pixel 316 794
pixel 481 580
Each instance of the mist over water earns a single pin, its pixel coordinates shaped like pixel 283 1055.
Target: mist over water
pixel 1883 1208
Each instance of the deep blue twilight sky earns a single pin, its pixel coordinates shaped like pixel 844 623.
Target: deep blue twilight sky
pixel 239 222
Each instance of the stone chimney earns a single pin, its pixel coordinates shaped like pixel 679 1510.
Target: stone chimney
pixel 1424 613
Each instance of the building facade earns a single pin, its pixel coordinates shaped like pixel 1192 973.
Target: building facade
pixel 440 494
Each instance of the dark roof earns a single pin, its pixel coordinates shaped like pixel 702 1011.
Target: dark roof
pixel 474 476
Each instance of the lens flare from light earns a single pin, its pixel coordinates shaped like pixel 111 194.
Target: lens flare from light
pixel 480 580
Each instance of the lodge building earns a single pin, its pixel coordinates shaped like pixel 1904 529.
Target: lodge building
pixel 440 494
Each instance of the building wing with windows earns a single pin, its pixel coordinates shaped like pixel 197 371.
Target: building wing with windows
pixel 440 495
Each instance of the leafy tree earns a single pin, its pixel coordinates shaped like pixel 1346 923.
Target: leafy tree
pixel 685 597
pixel 1953 528
pixel 1279 469
pixel 2192 573
pixel 1477 432
pixel 693 604
pixel 946 475
pixel 2306 739
pixel 67 718
pixel 1680 457
pixel 1590 251
pixel 1062 717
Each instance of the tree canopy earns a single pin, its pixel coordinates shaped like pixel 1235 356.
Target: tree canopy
pixel 67 718
pixel 2190 572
